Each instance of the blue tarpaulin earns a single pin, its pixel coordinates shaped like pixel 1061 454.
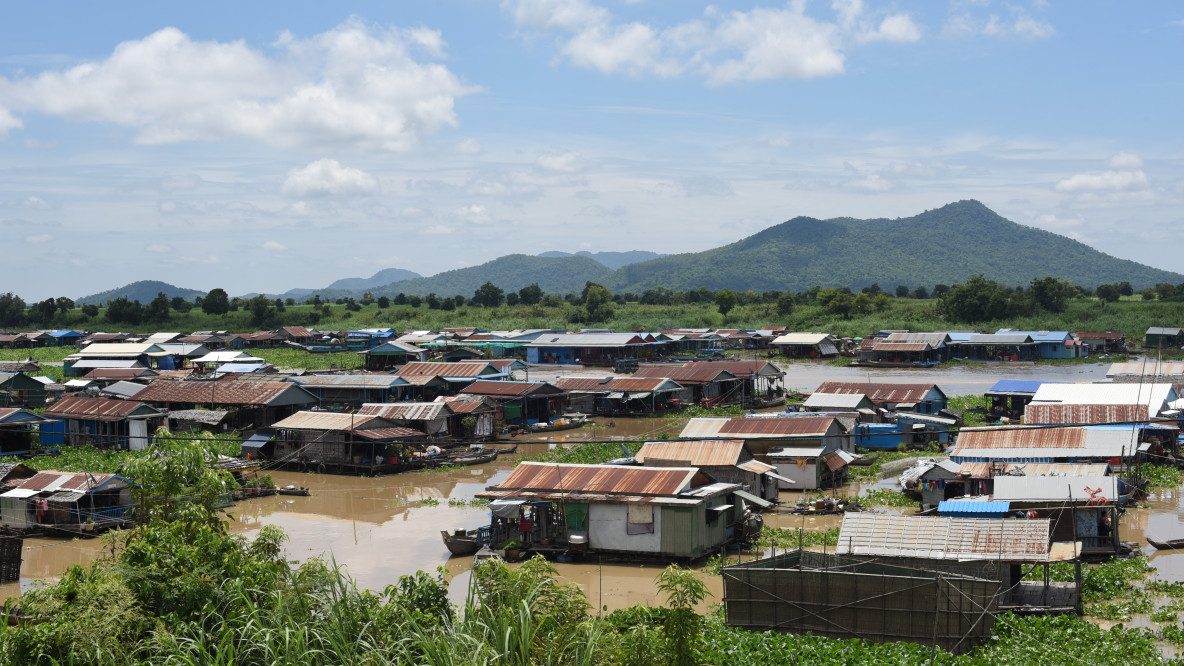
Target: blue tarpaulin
pixel 965 509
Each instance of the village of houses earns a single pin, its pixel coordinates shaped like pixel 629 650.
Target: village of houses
pixel 995 506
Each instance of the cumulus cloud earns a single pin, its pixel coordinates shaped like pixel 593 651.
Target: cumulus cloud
pixel 357 85
pixel 1103 181
pixel 469 146
pixel 273 246
pixel 722 47
pixel 159 248
pixel 40 238
pixel 436 230
pixel 35 203
pixel 474 214
pixel 327 177
pixel 1125 160
pixel 705 186
pixel 565 162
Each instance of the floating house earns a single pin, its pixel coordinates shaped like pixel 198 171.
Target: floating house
pixel 1153 398
pixel 921 398
pixel 392 353
pixel 16 430
pixel 330 442
pixel 1113 446
pixel 253 404
pixel 726 461
pixel 623 395
pixel 454 375
pixel 783 431
pixel 101 354
pixel 101 422
pixel 1163 336
pixel 760 381
pixel 56 502
pixel 1052 344
pixel 588 348
pixel 710 386
pixel 642 512
pixel 20 390
pixel 522 403
pixel 806 345
pixel 348 392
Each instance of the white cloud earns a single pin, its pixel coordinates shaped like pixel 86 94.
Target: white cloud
pixel 964 22
pixel 40 238
pixel 475 214
pixel 470 146
pixel 568 162
pixel 436 230
pixel 159 248
pixel 167 206
pixel 1125 160
pixel 355 85
pixel 1103 181
pixel 722 47
pixel 1053 221
pixel 36 203
pixel 273 246
pixel 705 186
pixel 327 177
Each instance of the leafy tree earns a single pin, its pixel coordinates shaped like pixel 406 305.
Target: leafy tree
pixel 489 295
pixel 401 299
pixel 682 625
pixel 43 311
pixel 921 293
pixel 902 291
pixel 90 310
pixel 1052 294
pixel 872 290
pixel 881 303
pixel 12 310
pixel 597 301
pixel 64 304
pixel 863 303
pixel 511 298
pixel 460 300
pixel 158 309
pixel 180 304
pixel 1165 290
pixel 531 294
pixel 289 301
pixel 977 299
pixel 1021 304
pixel 1148 294
pixel 433 301
pixel 263 311
pixel 449 304
pixel 367 298
pixel 217 302
pixel 725 300
pixel 122 311
pixel 785 305
pixel 1108 293
pixel 1125 288
pixel 279 305
pixel 841 304
pixel 940 290
pixel 414 301
pixel 384 302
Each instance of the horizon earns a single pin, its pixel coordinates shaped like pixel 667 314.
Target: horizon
pixel 150 142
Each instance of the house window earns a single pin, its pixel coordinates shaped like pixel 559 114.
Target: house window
pixel 640 519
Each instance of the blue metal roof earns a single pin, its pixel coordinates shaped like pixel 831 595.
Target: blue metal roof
pixel 1041 336
pixel 972 509
pixel 1018 386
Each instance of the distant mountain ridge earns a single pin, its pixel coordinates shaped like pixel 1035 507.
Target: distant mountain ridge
pixel 613 260
pixel 143 291
pixel 943 246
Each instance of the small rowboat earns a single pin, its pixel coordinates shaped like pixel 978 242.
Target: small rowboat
pixel 1170 544
pixel 292 490
pixel 461 542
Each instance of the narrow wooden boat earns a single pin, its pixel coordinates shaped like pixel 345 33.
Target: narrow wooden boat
pixel 1170 544
pixel 476 458
pixel 461 542
pixel 298 492
pixel 565 422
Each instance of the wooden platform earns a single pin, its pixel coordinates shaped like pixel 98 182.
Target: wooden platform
pixel 1030 597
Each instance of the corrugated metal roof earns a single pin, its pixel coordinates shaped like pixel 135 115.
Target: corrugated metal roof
pixel 1043 488
pixel 944 538
pixel 351 381
pixel 1152 395
pixel 796 452
pixel 1020 438
pixel 50 481
pixel 840 400
pixel 934 340
pixel 116 349
pixel 598 479
pixel 10 415
pixel 880 392
pixel 1012 386
pixel 693 375
pixel 225 393
pixel 805 425
pixel 408 411
pixel 1162 330
pixel 588 340
pixel 616 384
pixel 387 434
pixel 999 339
pixel 119 373
pixel 701 453
pixel 96 409
pixel 742 369
pixel 1050 413
pixel 802 339
pixel 756 467
pixel 835 462
pixel 329 421
pixel 502 389
pixel 1146 368
pixel 982 470
pixel 893 345
pixel 972 508
pixel 447 369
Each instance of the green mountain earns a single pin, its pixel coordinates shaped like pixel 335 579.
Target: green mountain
pixel 942 246
pixel 556 275
pixel 380 279
pixel 613 260
pixel 143 291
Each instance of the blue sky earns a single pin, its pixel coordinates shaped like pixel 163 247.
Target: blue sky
pixel 263 146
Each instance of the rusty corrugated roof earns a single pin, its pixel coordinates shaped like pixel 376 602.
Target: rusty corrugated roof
pixel 803 425
pixel 383 434
pixel 54 480
pixel 330 421
pixel 251 393
pixel 446 369
pixel 892 345
pixel 469 406
pixel 697 453
pixel 982 470
pixel 1052 413
pixel 880 392
pixel 96 409
pixel 407 411
pixel 598 479
pixel 1020 438
pixel 613 383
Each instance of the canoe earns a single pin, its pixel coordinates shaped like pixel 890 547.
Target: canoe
pixel 472 458
pixel 1170 544
pixel 298 492
pixel 461 542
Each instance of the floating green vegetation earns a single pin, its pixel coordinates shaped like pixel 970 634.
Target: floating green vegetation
pixel 592 453
pixel 781 539
pixel 427 501
pixel 1158 476
pixel 886 497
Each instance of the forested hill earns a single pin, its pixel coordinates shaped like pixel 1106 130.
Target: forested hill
pixel 556 275
pixel 143 291
pixel 943 246
pixel 611 259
